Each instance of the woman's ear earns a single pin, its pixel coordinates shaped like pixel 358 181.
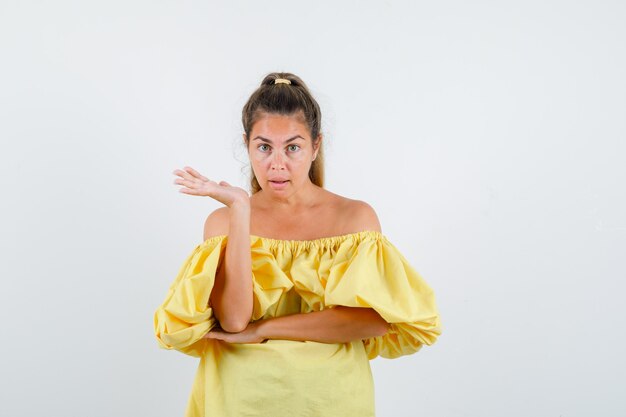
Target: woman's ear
pixel 316 147
pixel 243 135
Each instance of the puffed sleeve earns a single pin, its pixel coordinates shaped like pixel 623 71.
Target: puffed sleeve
pixel 182 320
pixel 375 274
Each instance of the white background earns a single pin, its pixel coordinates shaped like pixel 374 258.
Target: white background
pixel 488 136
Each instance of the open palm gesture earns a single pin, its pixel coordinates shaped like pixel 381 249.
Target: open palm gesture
pixel 196 184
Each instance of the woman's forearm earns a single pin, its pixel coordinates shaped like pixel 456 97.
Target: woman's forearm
pixel 334 325
pixel 232 293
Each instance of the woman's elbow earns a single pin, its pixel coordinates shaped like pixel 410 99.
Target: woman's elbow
pixel 233 327
pixel 235 324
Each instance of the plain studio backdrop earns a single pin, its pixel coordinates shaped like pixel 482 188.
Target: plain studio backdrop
pixel 488 136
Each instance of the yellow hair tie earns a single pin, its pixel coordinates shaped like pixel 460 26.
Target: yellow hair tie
pixel 281 80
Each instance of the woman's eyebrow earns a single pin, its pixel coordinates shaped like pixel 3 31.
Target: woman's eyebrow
pixel 287 141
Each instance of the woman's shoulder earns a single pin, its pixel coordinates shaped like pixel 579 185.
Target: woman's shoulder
pixel 349 215
pixel 216 223
pixel 364 217
pixel 358 214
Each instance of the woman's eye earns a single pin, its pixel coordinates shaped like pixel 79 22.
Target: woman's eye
pixel 297 146
pixel 262 146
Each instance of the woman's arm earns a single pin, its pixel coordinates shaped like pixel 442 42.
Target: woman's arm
pixel 231 297
pixel 339 324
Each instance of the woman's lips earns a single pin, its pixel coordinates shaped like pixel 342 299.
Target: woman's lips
pixel 278 185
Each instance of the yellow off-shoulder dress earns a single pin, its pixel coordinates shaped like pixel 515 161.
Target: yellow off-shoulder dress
pixel 297 378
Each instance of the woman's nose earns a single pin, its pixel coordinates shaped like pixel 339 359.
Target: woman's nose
pixel 277 161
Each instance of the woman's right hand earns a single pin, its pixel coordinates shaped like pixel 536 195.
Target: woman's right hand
pixel 196 184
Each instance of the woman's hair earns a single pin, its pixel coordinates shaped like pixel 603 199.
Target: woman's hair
pixel 293 99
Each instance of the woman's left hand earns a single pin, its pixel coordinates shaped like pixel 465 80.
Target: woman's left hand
pixel 250 334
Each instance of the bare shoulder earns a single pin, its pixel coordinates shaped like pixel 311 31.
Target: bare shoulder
pixel 216 224
pixel 361 216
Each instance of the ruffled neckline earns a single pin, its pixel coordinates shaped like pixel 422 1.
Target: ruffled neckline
pixel 321 241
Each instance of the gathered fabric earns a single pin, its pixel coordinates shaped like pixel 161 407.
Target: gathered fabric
pixel 293 378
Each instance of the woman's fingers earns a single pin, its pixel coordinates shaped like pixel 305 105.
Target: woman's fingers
pixel 183 174
pixel 196 173
pixel 190 191
pixel 194 183
pixel 194 186
pixel 190 174
pixel 186 183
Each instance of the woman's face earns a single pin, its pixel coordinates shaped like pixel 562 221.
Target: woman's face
pixel 281 153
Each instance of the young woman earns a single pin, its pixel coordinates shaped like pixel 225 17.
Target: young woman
pixel 294 288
